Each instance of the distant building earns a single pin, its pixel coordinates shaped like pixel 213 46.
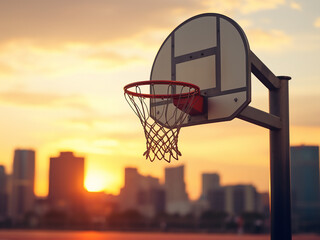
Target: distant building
pixel 177 201
pixel 22 192
pixel 66 181
pixel 210 181
pixel 235 199
pixel 3 194
pixel 128 194
pixel 305 188
pixel 141 193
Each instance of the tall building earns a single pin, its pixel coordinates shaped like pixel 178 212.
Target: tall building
pixel 128 194
pixel 142 193
pixel 66 181
pixel 235 199
pixel 177 200
pixel 210 181
pixel 305 187
pixel 3 194
pixel 22 192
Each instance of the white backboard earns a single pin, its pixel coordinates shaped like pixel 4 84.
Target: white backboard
pixel 211 51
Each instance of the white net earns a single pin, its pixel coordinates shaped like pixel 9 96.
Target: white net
pixel 162 117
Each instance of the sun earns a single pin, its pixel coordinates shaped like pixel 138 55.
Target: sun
pixel 96 181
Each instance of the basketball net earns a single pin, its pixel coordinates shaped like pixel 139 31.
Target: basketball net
pixel 161 115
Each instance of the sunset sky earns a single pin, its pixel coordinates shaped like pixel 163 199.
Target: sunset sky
pixel 63 65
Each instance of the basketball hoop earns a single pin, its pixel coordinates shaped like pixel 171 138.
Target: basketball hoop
pixel 162 112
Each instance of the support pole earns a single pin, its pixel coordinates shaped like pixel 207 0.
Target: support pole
pixel 280 164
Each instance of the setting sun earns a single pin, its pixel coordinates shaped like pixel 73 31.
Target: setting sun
pixel 96 181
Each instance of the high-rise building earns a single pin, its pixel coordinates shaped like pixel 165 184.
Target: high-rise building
pixel 22 192
pixel 305 187
pixel 3 194
pixel 210 181
pixel 235 199
pixel 128 194
pixel 177 200
pixel 66 181
pixel 142 193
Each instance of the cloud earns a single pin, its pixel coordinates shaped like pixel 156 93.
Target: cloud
pixel 295 6
pixel 258 5
pixel 25 61
pixel 106 20
pixel 116 126
pixel 41 99
pixel 103 146
pixel 317 23
pixel 305 110
pixel 6 69
pixel 85 21
pixel 113 58
pixel 25 57
pixel 272 40
pixel 245 23
pixel 243 6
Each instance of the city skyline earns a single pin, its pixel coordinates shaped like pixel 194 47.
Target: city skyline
pixel 71 159
pixel 143 201
pixel 210 179
pixel 146 195
pixel 62 85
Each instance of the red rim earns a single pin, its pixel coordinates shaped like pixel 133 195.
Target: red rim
pixel 195 91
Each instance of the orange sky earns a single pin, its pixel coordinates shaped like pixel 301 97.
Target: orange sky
pixel 63 65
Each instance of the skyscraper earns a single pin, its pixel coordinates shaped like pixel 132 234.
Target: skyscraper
pixel 235 199
pixel 142 193
pixel 177 200
pixel 22 195
pixel 210 181
pixel 66 181
pixel 305 187
pixel 128 194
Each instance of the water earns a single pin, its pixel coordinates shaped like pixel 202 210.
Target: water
pixel 93 235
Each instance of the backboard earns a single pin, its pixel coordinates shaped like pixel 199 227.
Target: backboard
pixel 211 51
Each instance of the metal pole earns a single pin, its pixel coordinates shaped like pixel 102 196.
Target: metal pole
pixel 280 164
